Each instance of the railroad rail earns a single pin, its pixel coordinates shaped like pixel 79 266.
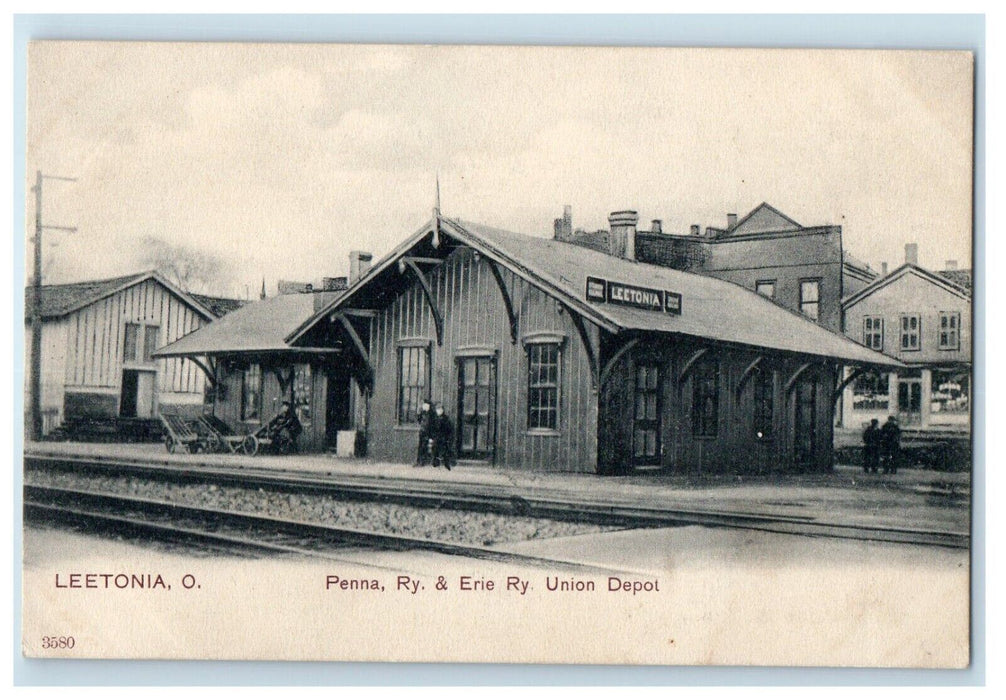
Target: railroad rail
pixel 246 531
pixel 494 498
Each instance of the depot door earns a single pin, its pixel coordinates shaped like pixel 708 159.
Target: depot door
pixel 805 422
pixel 136 399
pixel 646 423
pixel 476 426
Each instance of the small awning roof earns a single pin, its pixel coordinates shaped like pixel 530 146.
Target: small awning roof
pixel 259 326
pixel 711 308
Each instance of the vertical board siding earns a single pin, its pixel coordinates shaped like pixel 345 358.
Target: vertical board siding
pixel 93 358
pixel 474 316
pixel 735 447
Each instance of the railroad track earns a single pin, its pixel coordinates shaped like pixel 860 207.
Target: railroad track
pixel 493 498
pixel 233 530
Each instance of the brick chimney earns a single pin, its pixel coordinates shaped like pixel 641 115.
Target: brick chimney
pixel 731 222
pixel 696 230
pixel 657 226
pixel 622 241
pixel 912 253
pixel 359 263
pixel 331 288
pixel 951 265
pixel 883 269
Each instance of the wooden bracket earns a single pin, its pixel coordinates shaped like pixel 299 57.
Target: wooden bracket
pixel 690 362
pixel 285 382
pixel 209 370
pixel 507 301
pixel 610 364
pixel 427 292
pixel 856 374
pixel 796 375
pixel 360 349
pixel 587 346
pixel 748 373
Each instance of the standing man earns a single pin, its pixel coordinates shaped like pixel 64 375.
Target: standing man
pixel 871 447
pixel 443 432
pixel 424 418
pixel 890 440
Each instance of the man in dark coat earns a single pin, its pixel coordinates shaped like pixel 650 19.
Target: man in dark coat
pixel 443 433
pixel 425 420
pixel 871 447
pixel 890 442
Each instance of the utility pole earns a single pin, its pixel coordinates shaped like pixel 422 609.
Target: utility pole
pixel 36 307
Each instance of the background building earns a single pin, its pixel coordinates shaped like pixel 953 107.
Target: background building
pixel 98 339
pixel 803 268
pixel 924 320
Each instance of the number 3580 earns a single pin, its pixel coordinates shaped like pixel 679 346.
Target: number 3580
pixel 58 642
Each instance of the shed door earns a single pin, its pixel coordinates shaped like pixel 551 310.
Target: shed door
pixel 476 407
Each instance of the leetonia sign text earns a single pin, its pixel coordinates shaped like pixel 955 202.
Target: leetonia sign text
pixel 628 295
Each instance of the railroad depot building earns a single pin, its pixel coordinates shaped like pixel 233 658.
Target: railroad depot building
pixel 560 357
pixel 924 320
pixel 98 339
pixel 251 368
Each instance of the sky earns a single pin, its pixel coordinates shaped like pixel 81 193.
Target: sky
pixel 279 159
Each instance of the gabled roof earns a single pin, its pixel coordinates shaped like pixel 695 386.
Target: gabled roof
pixel 258 326
pixel 962 278
pixel 61 299
pixel 764 219
pixel 219 306
pixel 711 308
pixel 854 262
pixel 895 275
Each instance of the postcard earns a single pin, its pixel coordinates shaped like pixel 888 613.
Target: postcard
pixel 498 354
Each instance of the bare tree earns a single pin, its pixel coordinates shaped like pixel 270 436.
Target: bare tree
pixel 191 269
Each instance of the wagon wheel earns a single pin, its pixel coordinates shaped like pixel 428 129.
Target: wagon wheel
pixel 169 444
pixel 250 445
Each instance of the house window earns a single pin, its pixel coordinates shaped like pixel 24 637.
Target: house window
pixel 705 398
pixel 302 393
pixel 810 298
pixel 764 397
pixel 413 381
pixel 951 392
pixel 150 334
pixel 131 344
pixel 766 288
pixel 251 393
pixel 870 392
pixel 910 331
pixel 543 385
pixel 950 330
pixel 873 332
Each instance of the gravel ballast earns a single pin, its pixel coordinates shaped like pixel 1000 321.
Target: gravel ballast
pixel 458 526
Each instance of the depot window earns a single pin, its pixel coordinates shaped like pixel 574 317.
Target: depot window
pixel 413 381
pixel 543 369
pixel 251 393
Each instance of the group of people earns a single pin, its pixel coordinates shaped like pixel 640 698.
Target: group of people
pixel 881 446
pixel 436 434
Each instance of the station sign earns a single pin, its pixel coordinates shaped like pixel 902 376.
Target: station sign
pixel 620 294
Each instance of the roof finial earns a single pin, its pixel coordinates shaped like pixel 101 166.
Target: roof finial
pixel 436 215
pixel 262 293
